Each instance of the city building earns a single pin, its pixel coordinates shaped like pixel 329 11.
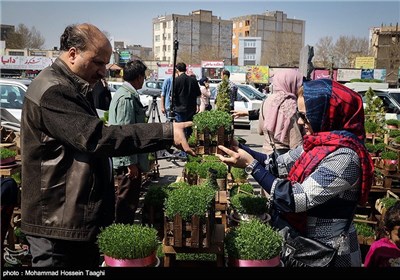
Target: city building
pixel 249 51
pixel 385 45
pixel 200 36
pixel 281 38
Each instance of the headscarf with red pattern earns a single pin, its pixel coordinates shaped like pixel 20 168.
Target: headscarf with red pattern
pixel 336 115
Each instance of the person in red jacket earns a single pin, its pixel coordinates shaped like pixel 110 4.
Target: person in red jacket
pixel 385 252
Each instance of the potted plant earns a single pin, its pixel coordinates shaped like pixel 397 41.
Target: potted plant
pixel 7 156
pixel 253 243
pixel 370 128
pixel 210 158
pixel 238 175
pixel 365 233
pixel 248 206
pixel 378 178
pixel 189 216
pixel 394 133
pixel 245 188
pixel 371 148
pixel 128 245
pixel 153 204
pixel 389 160
pixel 190 172
pixel 396 142
pixel 220 168
pixel 379 148
pixel 212 128
pixel 392 124
pixel 384 203
pixel 222 101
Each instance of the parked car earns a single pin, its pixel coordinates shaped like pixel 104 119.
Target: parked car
pixel 390 99
pixel 150 89
pixel 12 97
pixel 248 98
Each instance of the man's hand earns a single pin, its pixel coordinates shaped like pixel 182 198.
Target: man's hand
pixel 179 137
pixel 236 158
pixel 238 114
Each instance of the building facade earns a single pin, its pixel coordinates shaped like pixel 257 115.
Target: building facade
pixel 199 36
pixel 281 38
pixel 385 45
pixel 249 51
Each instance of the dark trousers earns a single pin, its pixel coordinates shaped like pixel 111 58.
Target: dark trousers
pixel 184 117
pixel 127 196
pixel 9 197
pixel 48 252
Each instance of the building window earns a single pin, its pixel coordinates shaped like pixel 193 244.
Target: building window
pixel 240 24
pixel 16 53
pixel 249 44
pixel 157 38
pixel 249 56
pixel 157 26
pixel 157 49
pixel 247 33
pixel 247 23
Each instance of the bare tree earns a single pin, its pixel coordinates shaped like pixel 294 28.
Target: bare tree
pixel 36 39
pixel 323 52
pixel 342 53
pixel 23 38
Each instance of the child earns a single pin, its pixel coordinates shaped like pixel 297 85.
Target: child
pixel 385 252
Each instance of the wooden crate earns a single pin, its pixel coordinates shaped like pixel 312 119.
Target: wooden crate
pixel 221 207
pixel 380 207
pixel 207 143
pixel 190 179
pixel 195 233
pixel 216 247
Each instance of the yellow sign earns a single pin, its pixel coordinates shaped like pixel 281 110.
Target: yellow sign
pixel 365 62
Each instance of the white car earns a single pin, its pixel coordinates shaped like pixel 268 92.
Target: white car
pixel 12 97
pixel 150 90
pixel 248 98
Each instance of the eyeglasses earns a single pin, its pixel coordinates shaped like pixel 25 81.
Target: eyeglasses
pixel 302 116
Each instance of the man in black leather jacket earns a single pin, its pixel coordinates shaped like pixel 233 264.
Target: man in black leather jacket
pixel 67 182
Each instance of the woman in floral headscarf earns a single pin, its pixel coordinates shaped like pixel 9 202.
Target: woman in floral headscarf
pixel 329 174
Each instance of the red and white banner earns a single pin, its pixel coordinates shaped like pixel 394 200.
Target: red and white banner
pixel 212 64
pixel 24 62
pixel 166 70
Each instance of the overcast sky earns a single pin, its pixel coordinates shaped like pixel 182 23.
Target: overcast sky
pixel 131 21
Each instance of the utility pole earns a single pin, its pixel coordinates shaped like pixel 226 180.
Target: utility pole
pixel 331 69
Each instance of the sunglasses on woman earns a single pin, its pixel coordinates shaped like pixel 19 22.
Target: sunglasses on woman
pixel 302 116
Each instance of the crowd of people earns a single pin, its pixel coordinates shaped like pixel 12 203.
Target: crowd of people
pixel 69 157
